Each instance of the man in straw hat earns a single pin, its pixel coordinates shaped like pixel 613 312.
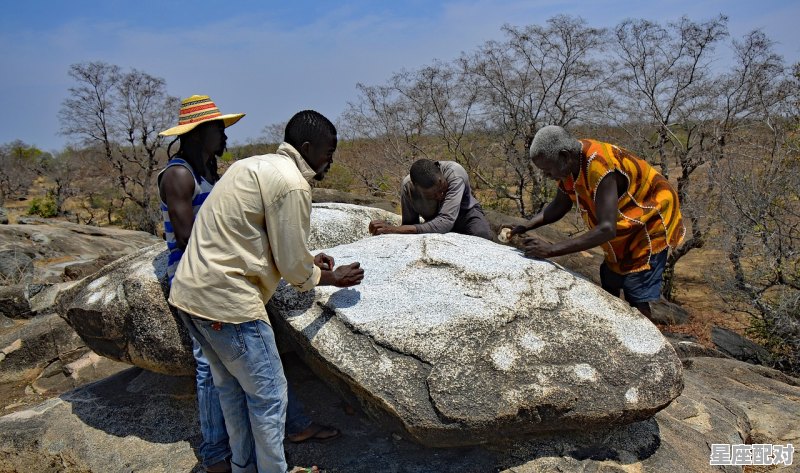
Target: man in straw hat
pixel 183 185
pixel 250 233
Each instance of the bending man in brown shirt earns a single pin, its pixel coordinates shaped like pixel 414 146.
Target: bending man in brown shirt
pixel 440 193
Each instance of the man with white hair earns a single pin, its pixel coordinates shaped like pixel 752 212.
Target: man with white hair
pixel 631 211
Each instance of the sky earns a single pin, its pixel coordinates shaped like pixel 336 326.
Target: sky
pixel 270 59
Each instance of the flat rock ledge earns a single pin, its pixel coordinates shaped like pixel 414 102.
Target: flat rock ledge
pixel 460 341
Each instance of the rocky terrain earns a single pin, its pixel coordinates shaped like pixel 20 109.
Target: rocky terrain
pixel 539 371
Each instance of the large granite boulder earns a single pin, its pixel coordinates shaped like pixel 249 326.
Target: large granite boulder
pixel 121 311
pixel 460 341
pixel 338 224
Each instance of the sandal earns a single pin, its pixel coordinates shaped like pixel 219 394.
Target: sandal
pixel 301 469
pixel 315 433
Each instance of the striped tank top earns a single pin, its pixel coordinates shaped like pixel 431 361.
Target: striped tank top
pixel 201 190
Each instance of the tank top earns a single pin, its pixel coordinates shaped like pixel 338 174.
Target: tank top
pixel 201 190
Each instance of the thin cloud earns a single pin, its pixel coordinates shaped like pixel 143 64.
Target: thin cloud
pixel 271 63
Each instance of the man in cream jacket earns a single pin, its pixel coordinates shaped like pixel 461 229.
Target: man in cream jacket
pixel 250 233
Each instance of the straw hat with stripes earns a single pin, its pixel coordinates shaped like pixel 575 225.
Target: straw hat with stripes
pixel 198 109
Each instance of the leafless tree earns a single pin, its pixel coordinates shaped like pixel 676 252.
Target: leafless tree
pixel 481 110
pixel 18 162
pixel 120 113
pixel 760 183
pixel 386 129
pixel 541 75
pixel 666 84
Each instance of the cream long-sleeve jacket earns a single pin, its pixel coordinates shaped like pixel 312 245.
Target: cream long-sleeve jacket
pixel 250 232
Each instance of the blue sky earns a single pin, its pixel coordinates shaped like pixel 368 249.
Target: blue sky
pixel 270 59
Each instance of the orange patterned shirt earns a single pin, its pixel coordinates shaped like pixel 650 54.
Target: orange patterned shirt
pixel 649 217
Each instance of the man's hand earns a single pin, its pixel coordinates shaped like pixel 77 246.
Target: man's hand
pixel 536 248
pixel 516 230
pixel 348 275
pixel 380 227
pixel 323 261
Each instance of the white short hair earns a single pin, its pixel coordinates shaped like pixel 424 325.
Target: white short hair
pixel 550 140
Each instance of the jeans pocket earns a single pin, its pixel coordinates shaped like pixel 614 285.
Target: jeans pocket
pixel 227 340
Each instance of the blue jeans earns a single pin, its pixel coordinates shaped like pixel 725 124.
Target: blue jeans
pixel 296 419
pixel 215 446
pixel 639 287
pixel 249 376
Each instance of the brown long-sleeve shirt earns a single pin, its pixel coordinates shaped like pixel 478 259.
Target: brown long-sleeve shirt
pixel 438 218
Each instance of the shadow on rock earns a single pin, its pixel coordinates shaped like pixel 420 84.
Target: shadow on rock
pixel 625 445
pixel 132 421
pixel 366 447
pixel 344 298
pixel 123 405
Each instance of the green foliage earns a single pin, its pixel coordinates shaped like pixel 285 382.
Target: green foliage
pixel 505 206
pixel 98 202
pixel 133 217
pixel 226 157
pixel 340 178
pixel 385 186
pixel 44 207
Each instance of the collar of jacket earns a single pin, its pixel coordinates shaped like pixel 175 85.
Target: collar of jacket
pixel 288 150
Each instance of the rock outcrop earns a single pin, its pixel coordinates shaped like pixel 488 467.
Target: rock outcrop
pixel 56 244
pixel 121 312
pixel 143 421
pixel 25 351
pixel 133 421
pixel 438 316
pixel 738 347
pixel 16 266
pixel 140 421
pixel 460 341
